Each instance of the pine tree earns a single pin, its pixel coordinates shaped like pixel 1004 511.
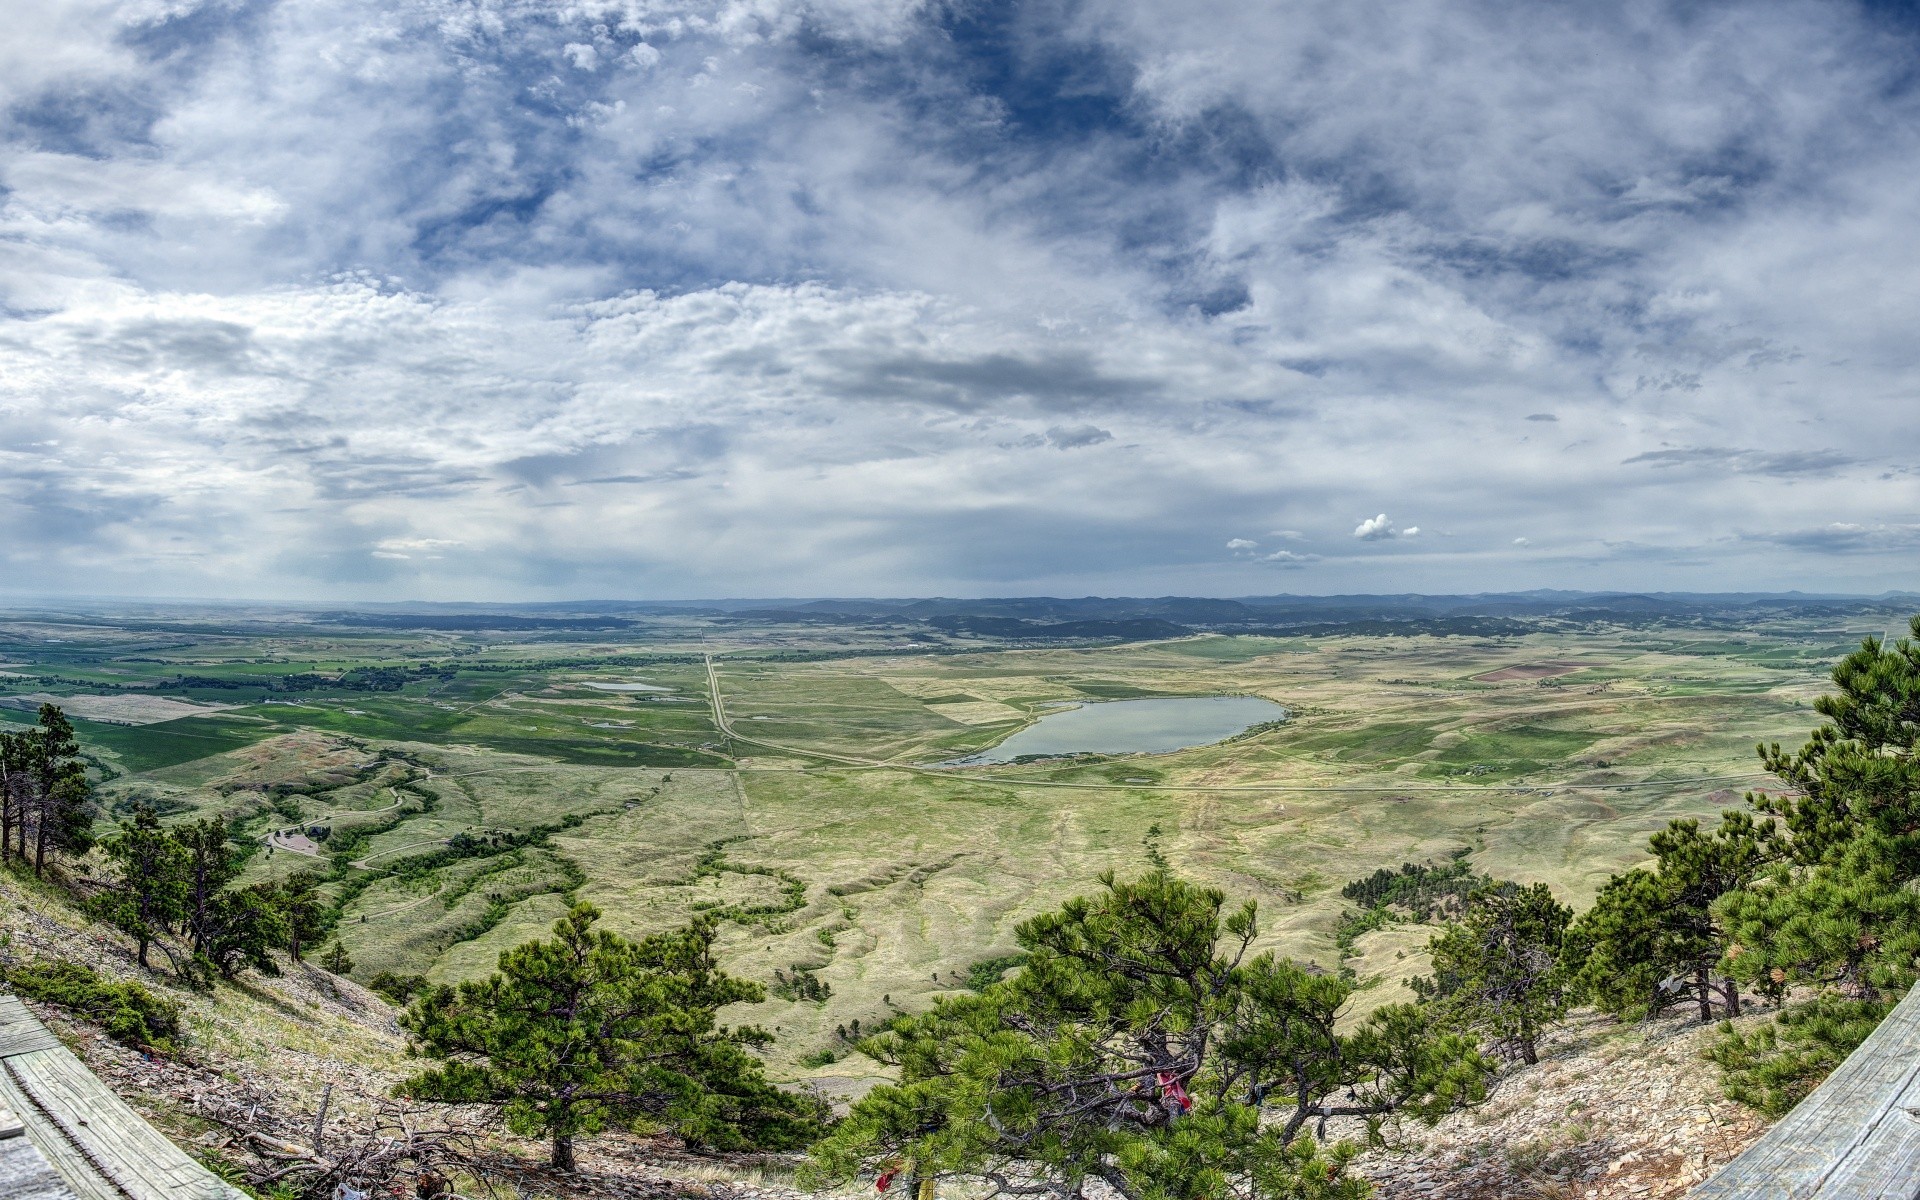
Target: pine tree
pixel 304 912
pixel 149 898
pixel 62 800
pixel 1496 970
pixel 1838 908
pixel 1653 938
pixel 336 959
pixel 213 862
pixel 589 1029
pixel 1138 1046
pixel 242 925
pixel 16 757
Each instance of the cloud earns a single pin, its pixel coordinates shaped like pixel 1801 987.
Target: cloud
pixel 1845 538
pixel 1069 437
pixel 1375 529
pixel 1521 541
pixel 1780 464
pixel 708 297
pixel 1240 544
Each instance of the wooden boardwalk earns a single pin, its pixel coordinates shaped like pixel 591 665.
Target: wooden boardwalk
pixel 1857 1137
pixel 100 1148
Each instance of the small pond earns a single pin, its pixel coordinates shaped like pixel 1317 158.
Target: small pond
pixel 626 687
pixel 1133 727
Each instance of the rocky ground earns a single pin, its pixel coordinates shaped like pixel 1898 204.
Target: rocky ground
pixel 1611 1110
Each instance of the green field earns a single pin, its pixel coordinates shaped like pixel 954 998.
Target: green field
pixel 480 781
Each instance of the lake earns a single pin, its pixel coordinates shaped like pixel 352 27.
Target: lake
pixel 1133 727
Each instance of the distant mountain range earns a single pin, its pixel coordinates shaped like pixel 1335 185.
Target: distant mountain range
pixel 1138 618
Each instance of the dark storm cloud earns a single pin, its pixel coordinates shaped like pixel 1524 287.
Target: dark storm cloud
pixel 1781 464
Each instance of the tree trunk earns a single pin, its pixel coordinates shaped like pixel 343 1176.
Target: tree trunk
pixel 1529 1053
pixel 563 1152
pixel 141 953
pixel 1706 995
pixel 43 806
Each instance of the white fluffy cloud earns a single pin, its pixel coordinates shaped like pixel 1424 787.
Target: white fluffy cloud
pixel 1375 529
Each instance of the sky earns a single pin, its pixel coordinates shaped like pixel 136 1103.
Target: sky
pixel 548 299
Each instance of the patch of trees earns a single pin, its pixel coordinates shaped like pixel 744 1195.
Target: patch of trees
pixel 357 679
pixel 46 804
pixel 474 622
pixel 1016 629
pixel 1809 894
pixel 175 890
pixel 1427 891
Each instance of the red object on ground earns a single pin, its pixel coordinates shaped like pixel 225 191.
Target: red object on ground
pixel 885 1181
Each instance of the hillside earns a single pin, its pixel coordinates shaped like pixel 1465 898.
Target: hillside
pixel 260 1056
pixel 1611 1110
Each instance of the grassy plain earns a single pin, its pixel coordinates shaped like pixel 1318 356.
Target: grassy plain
pixel 811 821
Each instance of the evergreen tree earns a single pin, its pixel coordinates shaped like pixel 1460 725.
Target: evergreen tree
pixel 62 800
pixel 1138 1046
pixel 1838 909
pixel 213 862
pixel 149 897
pixel 1653 937
pixel 336 959
pixel 16 781
pixel 241 926
pixel 1496 971
pixel 589 1029
pixel 305 914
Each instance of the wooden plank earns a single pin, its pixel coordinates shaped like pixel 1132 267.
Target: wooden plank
pixel 20 1031
pixel 72 1166
pixel 115 1141
pixel 101 1147
pixel 1856 1137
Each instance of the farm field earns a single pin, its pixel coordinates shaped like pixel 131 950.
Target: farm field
pixel 459 786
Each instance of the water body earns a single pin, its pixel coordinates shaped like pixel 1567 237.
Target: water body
pixel 627 687
pixel 1133 727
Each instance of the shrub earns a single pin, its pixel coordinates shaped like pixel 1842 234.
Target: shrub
pixel 989 971
pixel 398 988
pixel 1779 1063
pixel 129 1012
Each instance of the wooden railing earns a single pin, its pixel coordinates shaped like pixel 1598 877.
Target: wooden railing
pixel 1857 1137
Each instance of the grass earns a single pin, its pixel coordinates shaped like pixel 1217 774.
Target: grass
pixel 168 743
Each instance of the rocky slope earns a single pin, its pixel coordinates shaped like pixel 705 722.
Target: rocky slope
pixel 1611 1110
